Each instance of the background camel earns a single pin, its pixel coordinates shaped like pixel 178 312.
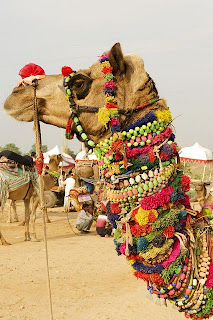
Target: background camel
pixel 199 199
pixel 49 182
pixel 150 257
pixel 54 162
pixel 24 193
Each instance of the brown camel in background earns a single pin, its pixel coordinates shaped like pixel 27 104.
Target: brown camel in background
pixel 24 193
pixel 49 182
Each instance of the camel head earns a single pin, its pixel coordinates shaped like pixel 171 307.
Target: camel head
pixel 54 162
pixel 134 87
pixel 200 186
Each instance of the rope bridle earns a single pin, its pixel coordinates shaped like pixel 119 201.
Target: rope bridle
pixel 76 110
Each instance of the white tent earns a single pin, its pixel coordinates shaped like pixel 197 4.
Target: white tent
pixel 196 154
pixel 67 159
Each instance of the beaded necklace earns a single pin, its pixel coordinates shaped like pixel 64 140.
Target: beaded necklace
pixel 73 113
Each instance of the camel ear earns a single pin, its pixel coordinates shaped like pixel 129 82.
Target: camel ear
pixel 116 60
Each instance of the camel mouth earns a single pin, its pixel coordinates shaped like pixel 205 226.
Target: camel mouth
pixel 20 115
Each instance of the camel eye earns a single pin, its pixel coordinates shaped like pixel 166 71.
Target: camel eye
pixel 80 85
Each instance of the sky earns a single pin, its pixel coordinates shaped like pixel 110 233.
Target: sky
pixel 174 38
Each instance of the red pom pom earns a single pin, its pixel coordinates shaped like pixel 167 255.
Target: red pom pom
pixel 169 232
pixel 152 217
pixel 66 71
pixel 185 183
pixel 103 208
pixel 152 156
pixel 31 69
pixel 117 157
pixel 115 208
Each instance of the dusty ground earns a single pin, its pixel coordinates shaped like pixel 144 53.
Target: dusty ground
pixel 88 280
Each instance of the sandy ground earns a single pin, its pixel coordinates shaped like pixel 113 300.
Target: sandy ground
pixel 88 280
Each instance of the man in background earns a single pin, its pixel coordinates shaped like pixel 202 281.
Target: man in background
pixel 69 184
pixel 84 219
pixel 61 180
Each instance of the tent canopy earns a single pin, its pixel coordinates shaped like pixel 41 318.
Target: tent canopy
pixel 196 153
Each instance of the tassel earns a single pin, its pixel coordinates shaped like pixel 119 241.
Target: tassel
pixel 182 238
pixel 68 133
pixel 40 163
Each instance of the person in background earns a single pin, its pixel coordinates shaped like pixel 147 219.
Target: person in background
pixel 61 180
pixel 84 219
pixel 103 226
pixel 69 184
pixel 33 156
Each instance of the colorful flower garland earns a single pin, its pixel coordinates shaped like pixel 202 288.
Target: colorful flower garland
pixel 110 111
pixel 147 204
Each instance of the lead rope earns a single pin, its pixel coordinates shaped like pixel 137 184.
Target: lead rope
pixel 41 189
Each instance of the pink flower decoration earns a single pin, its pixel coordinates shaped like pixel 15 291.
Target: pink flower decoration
pixel 175 253
pixel 123 248
pixel 132 153
pixel 114 121
pixel 209 282
pixel 110 84
pixel 162 136
pixel 158 200
pixel 104 55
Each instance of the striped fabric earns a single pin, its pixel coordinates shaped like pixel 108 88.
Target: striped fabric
pixel 11 182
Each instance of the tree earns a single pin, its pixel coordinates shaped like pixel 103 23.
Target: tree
pixel 43 148
pixel 11 147
pixel 70 153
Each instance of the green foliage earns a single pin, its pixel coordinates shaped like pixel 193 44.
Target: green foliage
pixel 43 148
pixel 70 153
pixel 11 147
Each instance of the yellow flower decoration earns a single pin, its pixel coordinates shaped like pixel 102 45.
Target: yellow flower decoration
pixel 130 262
pixel 164 116
pixel 115 168
pixel 103 115
pixel 111 99
pixel 154 252
pixel 142 216
pixel 106 64
pixel 117 136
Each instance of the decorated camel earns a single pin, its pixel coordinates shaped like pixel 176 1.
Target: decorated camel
pixel 50 180
pixel 86 170
pixel 115 108
pixel 18 181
